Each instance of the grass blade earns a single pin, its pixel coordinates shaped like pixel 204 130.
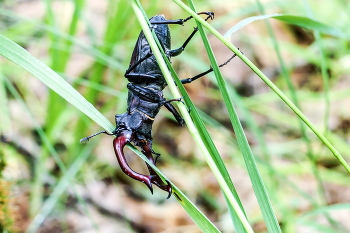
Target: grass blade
pixel 196 133
pixel 20 56
pixel 268 82
pixel 64 183
pixel 291 88
pixel 258 185
pixel 300 21
pixel 325 209
pixel 197 216
pixel 324 67
pixel 4 113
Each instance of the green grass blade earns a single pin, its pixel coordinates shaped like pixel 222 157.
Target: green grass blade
pixel 61 187
pixel 319 227
pixel 5 119
pixel 325 209
pixel 268 82
pixel 245 22
pixel 50 148
pixel 37 127
pixel 300 21
pixel 95 53
pixel 311 24
pixel 59 60
pixel 20 56
pixel 116 18
pixel 291 88
pixel 195 132
pixel 197 216
pixel 258 185
pixel 324 67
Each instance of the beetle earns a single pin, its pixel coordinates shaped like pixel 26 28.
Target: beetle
pixel 145 98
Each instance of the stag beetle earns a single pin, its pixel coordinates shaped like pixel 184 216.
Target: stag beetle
pixel 145 98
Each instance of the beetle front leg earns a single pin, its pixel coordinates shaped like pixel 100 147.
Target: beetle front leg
pixel 178 51
pixel 147 151
pixel 182 21
pixel 176 114
pixel 210 14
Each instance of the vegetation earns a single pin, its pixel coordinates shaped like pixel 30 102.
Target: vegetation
pixel 6 209
pixel 260 168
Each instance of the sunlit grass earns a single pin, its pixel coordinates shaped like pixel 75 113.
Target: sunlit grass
pixel 276 139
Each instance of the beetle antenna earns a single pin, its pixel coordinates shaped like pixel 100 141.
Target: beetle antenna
pixel 85 140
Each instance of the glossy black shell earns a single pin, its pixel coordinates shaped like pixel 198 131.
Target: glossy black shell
pixel 148 72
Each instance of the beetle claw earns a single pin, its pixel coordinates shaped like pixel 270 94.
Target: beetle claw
pixel 157 157
pixel 167 188
pixel 148 183
pixel 170 189
pixel 84 140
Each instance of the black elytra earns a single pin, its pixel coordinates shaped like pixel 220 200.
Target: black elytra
pixel 145 98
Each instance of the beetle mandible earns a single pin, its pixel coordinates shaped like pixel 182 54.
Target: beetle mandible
pixel 145 98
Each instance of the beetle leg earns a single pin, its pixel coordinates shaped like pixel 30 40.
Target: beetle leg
pixel 189 80
pixel 118 143
pixel 148 55
pixel 147 151
pixel 168 101
pixel 176 114
pixel 176 52
pixel 209 13
pixel 181 21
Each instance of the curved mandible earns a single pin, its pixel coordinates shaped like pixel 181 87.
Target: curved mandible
pixel 118 144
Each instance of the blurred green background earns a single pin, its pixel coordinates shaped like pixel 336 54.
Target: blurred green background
pixel 89 43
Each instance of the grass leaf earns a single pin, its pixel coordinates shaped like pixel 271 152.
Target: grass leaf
pixel 269 83
pixel 195 131
pixel 23 58
pixel 300 21
pixel 258 185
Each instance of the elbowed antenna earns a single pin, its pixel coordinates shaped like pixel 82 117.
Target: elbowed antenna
pixel 85 140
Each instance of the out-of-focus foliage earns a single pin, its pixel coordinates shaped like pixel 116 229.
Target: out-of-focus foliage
pixel 7 214
pixel 89 43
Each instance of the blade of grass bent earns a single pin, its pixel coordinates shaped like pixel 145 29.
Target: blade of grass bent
pixel 5 120
pixel 300 21
pixel 206 139
pixel 62 185
pixel 268 82
pixel 50 147
pixel 20 56
pixel 197 216
pixel 95 53
pixel 23 58
pixel 324 209
pixel 257 183
pixel 286 76
pixel 324 66
pixel 37 127
pixel 201 129
pixel 193 130
pixel 59 59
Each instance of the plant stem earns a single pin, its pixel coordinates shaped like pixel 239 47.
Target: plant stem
pixel 193 130
pixel 268 82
